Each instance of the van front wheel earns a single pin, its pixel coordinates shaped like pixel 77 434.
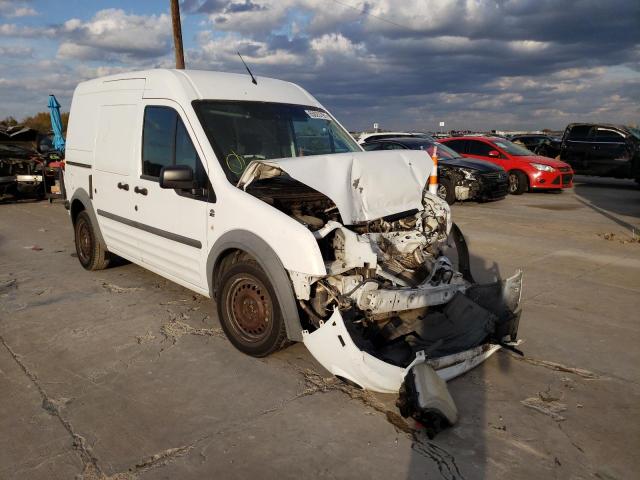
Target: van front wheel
pixel 249 312
pixel 91 253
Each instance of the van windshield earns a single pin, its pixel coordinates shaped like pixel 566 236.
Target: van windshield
pixel 240 132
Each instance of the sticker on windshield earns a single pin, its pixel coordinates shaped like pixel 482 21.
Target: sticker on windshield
pixel 318 114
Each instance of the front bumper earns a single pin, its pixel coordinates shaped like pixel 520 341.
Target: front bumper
pixel 334 348
pixel 561 178
pixel 493 186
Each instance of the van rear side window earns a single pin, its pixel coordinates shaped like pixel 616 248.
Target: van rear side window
pixel 165 141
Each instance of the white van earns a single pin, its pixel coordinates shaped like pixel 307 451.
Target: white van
pixel 254 195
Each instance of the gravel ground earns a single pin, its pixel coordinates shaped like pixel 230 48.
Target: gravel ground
pixel 121 374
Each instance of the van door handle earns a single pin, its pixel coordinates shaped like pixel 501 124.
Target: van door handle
pixel 141 191
pixel 123 186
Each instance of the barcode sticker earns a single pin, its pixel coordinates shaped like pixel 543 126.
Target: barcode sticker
pixel 318 114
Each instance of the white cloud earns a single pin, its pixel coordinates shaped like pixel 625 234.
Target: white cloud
pixel 15 51
pixel 113 34
pixel 16 9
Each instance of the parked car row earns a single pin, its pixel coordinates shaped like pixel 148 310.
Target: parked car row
pixel 526 170
pixel 533 161
pixel 478 167
pixel 458 178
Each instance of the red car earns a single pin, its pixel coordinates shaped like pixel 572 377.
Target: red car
pixel 527 171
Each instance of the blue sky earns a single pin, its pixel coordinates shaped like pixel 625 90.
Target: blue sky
pixel 477 64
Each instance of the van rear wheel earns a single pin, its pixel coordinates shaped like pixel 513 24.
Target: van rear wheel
pixel 249 312
pixel 91 253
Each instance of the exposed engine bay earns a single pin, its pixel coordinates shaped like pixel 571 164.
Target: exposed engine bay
pixel 391 295
pixel 388 277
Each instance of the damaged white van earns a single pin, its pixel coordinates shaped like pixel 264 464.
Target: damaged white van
pixel 253 194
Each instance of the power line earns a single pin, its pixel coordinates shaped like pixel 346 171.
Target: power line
pixel 363 12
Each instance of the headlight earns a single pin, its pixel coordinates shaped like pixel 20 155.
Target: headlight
pixel 542 167
pixel 468 173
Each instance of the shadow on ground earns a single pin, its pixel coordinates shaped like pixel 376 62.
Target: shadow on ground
pixel 604 196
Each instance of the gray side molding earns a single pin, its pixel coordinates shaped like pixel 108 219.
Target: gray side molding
pixel 272 266
pixel 81 195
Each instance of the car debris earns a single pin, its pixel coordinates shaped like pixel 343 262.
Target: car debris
pixel 25 173
pixel 266 203
pixel 20 172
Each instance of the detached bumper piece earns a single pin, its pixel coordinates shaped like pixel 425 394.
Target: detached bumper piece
pixel 424 397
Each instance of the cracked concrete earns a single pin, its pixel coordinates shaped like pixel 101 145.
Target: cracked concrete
pixel 121 374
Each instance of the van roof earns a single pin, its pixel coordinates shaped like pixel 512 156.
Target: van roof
pixel 189 85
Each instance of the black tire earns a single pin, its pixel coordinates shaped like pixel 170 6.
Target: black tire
pixel 446 190
pixel 249 312
pixel 518 182
pixel 91 253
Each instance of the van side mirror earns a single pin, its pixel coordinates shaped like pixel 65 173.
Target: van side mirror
pixel 494 153
pixel 177 177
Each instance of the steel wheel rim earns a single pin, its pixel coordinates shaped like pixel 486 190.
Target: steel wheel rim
pixel 249 309
pixel 513 182
pixel 84 242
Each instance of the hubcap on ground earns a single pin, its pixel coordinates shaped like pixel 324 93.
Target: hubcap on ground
pixel 249 308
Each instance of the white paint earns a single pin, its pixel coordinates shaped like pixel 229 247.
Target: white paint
pixel 363 185
pixel 371 373
pixel 165 209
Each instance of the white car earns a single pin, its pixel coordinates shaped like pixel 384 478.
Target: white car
pixel 254 195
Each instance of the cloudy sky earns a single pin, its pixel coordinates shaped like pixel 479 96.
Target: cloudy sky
pixel 478 64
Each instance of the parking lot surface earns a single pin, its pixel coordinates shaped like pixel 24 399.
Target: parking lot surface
pixel 122 374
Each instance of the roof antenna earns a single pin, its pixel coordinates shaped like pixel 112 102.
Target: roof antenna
pixel 253 79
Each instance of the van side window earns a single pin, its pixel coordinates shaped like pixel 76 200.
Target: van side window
pixel 165 141
pixel 158 139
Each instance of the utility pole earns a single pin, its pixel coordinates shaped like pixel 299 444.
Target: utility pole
pixel 177 34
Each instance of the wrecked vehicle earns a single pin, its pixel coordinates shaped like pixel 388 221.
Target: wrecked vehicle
pixel 20 172
pixel 458 178
pixel 254 195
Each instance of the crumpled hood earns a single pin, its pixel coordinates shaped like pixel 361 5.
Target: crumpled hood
pixel 364 185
